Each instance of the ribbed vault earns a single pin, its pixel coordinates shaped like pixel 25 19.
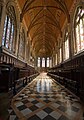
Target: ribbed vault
pixel 44 19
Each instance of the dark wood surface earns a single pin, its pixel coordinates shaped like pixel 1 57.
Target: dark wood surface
pixel 4 105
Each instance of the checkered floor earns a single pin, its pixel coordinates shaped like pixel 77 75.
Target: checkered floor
pixel 44 99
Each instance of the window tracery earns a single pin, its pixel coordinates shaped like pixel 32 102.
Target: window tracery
pixel 79 30
pixel 9 31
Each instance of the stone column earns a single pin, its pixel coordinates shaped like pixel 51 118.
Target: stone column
pixel 26 43
pixel 2 21
pixel 34 57
pixel 29 53
pixel 17 41
pixel 53 60
pixel 26 49
pixel 62 48
pixel 56 58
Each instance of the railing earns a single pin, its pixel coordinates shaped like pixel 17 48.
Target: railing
pixel 68 83
pixel 9 57
pixel 22 82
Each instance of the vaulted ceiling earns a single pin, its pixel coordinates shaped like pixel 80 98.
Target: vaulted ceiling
pixel 44 20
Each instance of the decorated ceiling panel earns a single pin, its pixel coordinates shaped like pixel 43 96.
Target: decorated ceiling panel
pixel 44 20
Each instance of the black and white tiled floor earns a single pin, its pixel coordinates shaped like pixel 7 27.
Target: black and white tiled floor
pixel 44 99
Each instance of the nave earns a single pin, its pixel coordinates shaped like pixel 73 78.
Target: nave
pixel 45 99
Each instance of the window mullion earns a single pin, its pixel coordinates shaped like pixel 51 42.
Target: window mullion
pixel 10 36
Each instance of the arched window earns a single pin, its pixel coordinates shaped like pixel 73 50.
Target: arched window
pixel 22 44
pixel 66 45
pixel 38 61
pixel 79 30
pixel 9 32
pixel 48 61
pixel 43 62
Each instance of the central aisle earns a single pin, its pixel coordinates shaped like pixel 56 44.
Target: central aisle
pixel 44 99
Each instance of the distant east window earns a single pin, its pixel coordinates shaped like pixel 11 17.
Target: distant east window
pixel 39 61
pixel 43 62
pixel 79 30
pixel 48 61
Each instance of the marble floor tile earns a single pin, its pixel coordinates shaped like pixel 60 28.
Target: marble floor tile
pixel 55 115
pixel 55 105
pixel 45 99
pixel 26 111
pixel 39 105
pixel 42 114
pixel 18 104
pixel 12 117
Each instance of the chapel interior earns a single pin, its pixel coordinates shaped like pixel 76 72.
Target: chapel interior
pixel 41 59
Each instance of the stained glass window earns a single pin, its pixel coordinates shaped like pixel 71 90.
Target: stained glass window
pixel 22 44
pixel 11 37
pixel 38 61
pixel 21 47
pixel 48 62
pixel 79 30
pixel 9 30
pixel 8 33
pixel 43 62
pixel 66 45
